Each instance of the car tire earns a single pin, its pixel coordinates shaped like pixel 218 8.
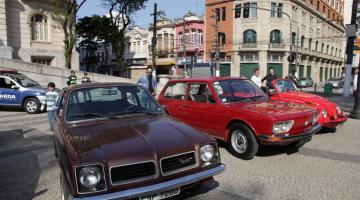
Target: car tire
pixel 32 106
pixel 242 142
pixel 64 189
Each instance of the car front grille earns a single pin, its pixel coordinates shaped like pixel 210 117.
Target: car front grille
pixel 178 163
pixel 133 172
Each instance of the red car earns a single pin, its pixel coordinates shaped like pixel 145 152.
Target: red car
pixel 238 112
pixel 331 114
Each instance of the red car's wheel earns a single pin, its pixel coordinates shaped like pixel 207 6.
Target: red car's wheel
pixel 242 142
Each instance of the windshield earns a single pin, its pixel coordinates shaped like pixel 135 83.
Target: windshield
pixel 286 86
pixel 230 91
pixel 24 81
pixel 109 102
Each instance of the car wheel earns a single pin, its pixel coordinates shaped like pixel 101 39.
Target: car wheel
pixel 32 106
pixel 64 189
pixel 242 142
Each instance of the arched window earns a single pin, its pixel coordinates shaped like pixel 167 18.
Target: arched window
pixel 249 37
pixel 193 37
pixel 322 48
pixel 275 37
pixel 187 38
pixel 316 45
pixel 222 38
pixel 340 53
pixel 336 52
pixel 302 41
pixel 332 50
pixel 310 43
pixel 200 37
pixel 327 49
pixel 39 27
pixel 180 39
pixel 293 38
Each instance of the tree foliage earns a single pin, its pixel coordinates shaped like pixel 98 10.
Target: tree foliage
pixel 65 12
pixel 121 13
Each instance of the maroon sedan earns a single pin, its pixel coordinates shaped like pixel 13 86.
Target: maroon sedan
pixel 113 141
pixel 238 112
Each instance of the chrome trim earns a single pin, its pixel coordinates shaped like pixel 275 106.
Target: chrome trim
pixel 182 169
pixel 159 187
pixel 76 178
pixel 136 179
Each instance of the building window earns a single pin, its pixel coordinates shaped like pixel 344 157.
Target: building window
pixel 246 13
pixel 302 41
pixel 223 13
pixel 327 49
pixel 217 11
pixel 249 37
pixel 193 37
pixel 42 60
pixel 322 48
pixel 180 39
pixel 294 13
pixel 172 42
pixel 310 43
pixel 187 37
pixel 221 38
pixel 276 10
pixel 316 45
pixel 39 28
pixel 238 11
pixel 253 10
pixel 201 38
pixel 293 38
pixel 276 37
pixel 318 5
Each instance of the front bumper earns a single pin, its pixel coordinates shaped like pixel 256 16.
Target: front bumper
pixel 160 187
pixel 335 122
pixel 283 139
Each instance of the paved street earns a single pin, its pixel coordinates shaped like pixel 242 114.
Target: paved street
pixel 326 168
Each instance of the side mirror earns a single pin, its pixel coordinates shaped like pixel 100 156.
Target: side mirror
pixel 15 87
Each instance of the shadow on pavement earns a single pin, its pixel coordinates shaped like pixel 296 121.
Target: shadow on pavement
pixel 21 164
pixel 266 151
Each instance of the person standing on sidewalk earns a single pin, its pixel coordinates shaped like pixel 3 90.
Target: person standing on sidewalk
pixel 269 78
pixel 51 98
pixel 72 79
pixel 256 77
pixel 148 81
pixel 355 81
pixel 85 79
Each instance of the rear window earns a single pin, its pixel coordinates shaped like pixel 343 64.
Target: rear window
pixel 175 91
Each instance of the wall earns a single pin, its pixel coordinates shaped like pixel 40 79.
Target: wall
pixel 44 74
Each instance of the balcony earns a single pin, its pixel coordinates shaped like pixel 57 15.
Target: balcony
pixel 249 46
pixel 277 47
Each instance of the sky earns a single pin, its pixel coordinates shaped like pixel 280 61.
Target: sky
pixel 172 8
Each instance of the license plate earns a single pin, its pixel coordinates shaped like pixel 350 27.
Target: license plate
pixel 161 195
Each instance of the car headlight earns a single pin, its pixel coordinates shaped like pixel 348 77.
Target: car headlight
pixel 282 127
pixel 324 113
pixel 90 179
pixel 209 154
pixel 338 110
pixel 315 120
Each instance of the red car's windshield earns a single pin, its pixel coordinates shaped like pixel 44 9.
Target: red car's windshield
pixel 230 91
pixel 286 86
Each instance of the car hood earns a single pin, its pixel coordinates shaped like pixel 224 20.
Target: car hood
pixel 306 97
pixel 134 139
pixel 277 108
pixel 37 89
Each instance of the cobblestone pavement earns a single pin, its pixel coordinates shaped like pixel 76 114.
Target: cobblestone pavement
pixel 326 168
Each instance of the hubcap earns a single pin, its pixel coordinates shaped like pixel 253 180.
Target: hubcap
pixel 31 106
pixel 239 141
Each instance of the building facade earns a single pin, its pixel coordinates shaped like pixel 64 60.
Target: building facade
pixel 189 41
pixel 28 32
pixel 165 47
pixel 266 33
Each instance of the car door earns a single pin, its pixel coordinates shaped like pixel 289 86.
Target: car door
pixel 173 98
pixel 200 107
pixel 8 94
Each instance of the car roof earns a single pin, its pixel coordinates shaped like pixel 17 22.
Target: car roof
pixel 5 71
pixel 206 79
pixel 93 85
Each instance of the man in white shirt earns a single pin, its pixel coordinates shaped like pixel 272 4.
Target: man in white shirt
pixel 256 77
pixel 355 81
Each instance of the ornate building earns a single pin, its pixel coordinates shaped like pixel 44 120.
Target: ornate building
pixel 28 32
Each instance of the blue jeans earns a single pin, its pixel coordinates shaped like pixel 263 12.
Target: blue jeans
pixel 51 118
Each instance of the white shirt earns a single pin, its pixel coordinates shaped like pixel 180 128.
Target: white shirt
pixel 355 82
pixel 256 80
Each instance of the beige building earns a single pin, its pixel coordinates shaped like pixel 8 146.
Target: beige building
pixel 28 32
pixel 265 32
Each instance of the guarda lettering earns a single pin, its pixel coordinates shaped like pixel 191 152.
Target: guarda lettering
pixel 7 96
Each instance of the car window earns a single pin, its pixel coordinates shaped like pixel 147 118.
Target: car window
pixel 175 91
pixel 6 83
pixel 286 86
pixel 24 80
pixel 101 102
pixel 198 92
pixel 60 103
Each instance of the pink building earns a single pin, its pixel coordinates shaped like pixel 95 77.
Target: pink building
pixel 190 41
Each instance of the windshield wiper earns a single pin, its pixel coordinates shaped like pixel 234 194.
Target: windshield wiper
pixel 88 115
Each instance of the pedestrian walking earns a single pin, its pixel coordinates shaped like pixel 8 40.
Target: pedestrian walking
pixel 85 79
pixel 269 78
pixel 355 81
pixel 148 81
pixel 51 98
pixel 72 79
pixel 256 77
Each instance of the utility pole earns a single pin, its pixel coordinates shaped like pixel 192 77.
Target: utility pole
pixel 297 52
pixel 154 38
pixel 217 42
pixel 185 42
pixel 349 52
pixel 355 113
